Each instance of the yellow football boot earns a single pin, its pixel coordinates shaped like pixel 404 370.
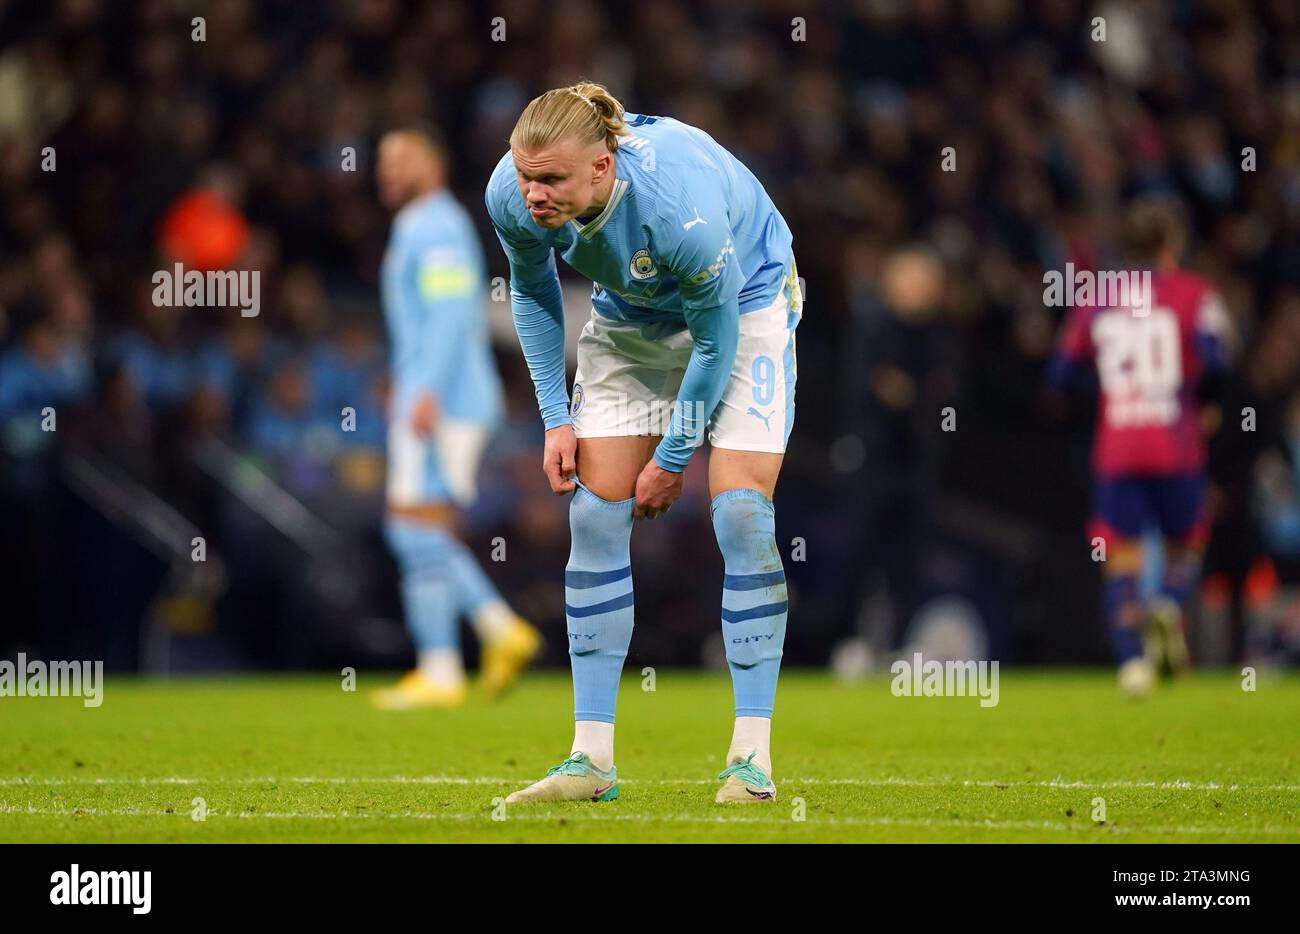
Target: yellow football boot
pixel 506 656
pixel 416 692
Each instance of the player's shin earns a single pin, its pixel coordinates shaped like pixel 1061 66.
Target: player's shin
pixel 1125 619
pixel 754 602
pixel 1169 611
pixel 598 611
pixel 1123 616
pixel 476 595
pixel 1182 572
pixel 429 602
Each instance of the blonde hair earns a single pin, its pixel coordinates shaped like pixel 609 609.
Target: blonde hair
pixel 585 111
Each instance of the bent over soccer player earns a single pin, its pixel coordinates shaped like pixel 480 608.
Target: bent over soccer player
pixel 695 299
pixel 446 400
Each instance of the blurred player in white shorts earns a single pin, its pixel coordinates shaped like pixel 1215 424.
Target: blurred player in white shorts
pixel 446 400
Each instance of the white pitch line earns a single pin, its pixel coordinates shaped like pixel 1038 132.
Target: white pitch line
pixel 600 817
pixel 1057 783
pixel 1176 785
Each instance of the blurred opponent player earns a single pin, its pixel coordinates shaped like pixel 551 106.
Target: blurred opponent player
pixel 695 301
pixel 1148 451
pixel 446 398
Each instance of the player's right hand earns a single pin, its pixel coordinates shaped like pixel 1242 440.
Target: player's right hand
pixel 560 460
pixel 424 415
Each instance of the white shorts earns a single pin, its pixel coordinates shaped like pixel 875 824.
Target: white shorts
pixel 629 374
pixel 425 470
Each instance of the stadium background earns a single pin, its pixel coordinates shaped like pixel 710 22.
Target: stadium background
pixel 182 422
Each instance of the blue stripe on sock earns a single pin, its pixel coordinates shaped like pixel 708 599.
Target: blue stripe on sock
pixel 752 581
pixel 582 580
pixel 739 601
pixel 758 612
pixel 618 603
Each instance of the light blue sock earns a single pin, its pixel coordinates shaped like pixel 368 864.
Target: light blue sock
pixel 598 600
pixel 428 580
pixel 473 587
pixel 428 543
pixel 754 599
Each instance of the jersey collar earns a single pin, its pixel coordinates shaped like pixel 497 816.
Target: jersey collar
pixel 593 226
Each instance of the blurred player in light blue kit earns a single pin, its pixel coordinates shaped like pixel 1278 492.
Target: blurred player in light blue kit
pixel 694 308
pixel 445 400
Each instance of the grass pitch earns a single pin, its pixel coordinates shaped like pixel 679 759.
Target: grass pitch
pixel 299 759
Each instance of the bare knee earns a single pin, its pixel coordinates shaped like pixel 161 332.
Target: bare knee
pixel 743 470
pixel 608 467
pixel 1124 558
pixel 1182 561
pixel 434 513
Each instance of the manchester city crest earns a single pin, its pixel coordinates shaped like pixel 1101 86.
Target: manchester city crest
pixel 578 397
pixel 642 266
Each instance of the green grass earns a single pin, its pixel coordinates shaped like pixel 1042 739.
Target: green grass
pixel 298 759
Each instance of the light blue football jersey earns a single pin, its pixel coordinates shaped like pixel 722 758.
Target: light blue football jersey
pixel 688 236
pixel 681 203
pixel 435 302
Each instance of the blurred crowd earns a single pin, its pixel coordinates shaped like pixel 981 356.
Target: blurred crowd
pixel 932 159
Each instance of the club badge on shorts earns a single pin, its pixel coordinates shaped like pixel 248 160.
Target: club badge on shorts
pixel 578 398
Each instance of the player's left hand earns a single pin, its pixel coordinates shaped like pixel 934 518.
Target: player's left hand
pixel 656 490
pixel 424 415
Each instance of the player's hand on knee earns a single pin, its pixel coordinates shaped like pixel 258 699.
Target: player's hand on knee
pixel 424 415
pixel 656 490
pixel 560 460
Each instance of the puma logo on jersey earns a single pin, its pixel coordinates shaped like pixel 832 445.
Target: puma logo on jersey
pixel 698 220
